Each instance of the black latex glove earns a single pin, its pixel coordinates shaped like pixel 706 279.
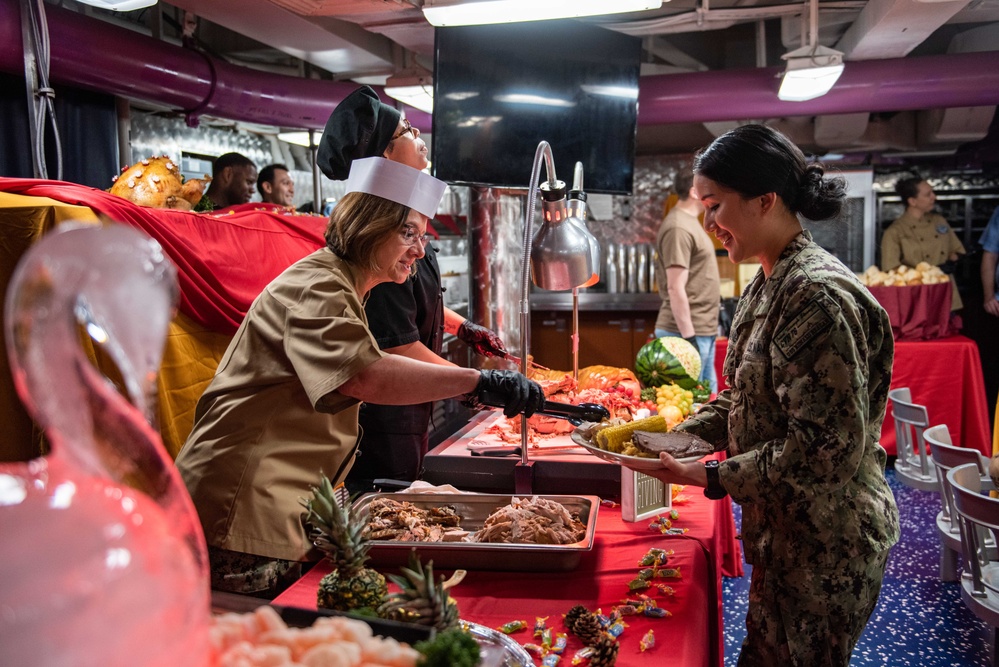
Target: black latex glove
pixel 949 266
pixel 482 340
pixel 516 393
pixel 693 341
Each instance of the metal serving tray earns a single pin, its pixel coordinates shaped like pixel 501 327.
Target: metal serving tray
pixel 474 509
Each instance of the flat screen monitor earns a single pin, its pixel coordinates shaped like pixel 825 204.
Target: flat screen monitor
pixel 499 90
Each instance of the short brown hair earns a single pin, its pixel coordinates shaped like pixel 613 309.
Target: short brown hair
pixel 360 223
pixel 682 182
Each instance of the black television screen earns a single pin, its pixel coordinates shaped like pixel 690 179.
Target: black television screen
pixel 501 89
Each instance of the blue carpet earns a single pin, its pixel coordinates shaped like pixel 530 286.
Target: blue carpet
pixel 919 621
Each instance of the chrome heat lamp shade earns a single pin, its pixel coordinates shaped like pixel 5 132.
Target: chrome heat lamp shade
pixel 562 256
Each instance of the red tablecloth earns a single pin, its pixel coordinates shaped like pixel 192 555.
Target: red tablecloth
pixel 691 636
pixel 945 375
pixel 224 259
pixel 918 312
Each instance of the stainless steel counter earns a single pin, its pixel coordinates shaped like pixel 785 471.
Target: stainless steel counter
pixel 596 301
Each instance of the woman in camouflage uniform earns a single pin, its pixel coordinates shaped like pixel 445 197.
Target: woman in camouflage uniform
pixel 809 363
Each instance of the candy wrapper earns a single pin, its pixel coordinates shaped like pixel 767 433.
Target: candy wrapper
pixel 582 655
pixel 512 626
pixel 655 557
pixel 647 641
pixel 540 623
pixel 550 660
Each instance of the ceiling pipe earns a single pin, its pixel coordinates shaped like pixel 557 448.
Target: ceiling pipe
pixel 897 84
pixel 90 53
pixel 93 54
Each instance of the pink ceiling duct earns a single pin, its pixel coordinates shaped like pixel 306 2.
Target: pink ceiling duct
pixel 898 84
pixel 90 53
pixel 93 54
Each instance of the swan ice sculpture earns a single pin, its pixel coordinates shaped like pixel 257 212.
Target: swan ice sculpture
pixel 102 558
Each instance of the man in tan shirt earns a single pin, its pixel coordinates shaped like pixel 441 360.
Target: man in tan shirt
pixel 690 290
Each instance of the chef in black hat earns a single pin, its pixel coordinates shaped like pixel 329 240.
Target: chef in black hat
pixel 408 319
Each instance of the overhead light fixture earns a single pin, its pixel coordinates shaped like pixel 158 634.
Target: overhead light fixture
pixel 299 138
pixel 119 5
pixel 811 70
pixel 412 87
pixel 443 13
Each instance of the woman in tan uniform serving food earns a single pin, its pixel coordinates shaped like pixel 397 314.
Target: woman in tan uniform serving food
pixel 284 401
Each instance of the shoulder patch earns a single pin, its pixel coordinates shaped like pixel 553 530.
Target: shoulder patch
pixel 814 318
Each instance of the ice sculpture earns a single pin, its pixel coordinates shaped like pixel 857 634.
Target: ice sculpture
pixel 102 559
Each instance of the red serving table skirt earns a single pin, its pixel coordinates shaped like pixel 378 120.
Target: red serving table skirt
pixel 945 375
pixel 691 636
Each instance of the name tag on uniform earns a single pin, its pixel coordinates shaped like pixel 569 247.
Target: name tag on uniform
pixel 812 320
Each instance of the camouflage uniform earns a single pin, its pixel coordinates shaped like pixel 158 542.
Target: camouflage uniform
pixel 809 365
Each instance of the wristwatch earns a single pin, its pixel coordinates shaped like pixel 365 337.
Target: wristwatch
pixel 714 490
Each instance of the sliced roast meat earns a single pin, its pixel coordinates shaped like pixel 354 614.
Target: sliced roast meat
pixel 678 445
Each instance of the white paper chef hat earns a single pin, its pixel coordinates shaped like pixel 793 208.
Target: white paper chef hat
pixel 396 182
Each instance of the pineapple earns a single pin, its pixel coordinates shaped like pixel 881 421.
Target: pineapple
pixel 338 534
pixel 421 600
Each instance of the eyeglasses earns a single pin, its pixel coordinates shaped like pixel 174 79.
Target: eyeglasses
pixel 406 128
pixel 410 236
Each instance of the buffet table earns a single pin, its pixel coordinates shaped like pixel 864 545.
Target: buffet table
pixel 563 469
pixel 691 636
pixel 945 375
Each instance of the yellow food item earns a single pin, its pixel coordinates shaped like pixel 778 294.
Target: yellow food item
pixel 671 414
pixel 673 395
pixel 613 439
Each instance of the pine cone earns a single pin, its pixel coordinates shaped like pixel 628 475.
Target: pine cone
pixel 573 615
pixel 588 629
pixel 604 652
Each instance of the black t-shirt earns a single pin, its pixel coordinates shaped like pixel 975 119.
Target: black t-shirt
pixel 400 314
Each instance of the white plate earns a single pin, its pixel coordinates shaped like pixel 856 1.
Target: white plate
pixel 633 462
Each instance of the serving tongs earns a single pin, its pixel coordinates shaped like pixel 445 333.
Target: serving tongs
pixel 574 414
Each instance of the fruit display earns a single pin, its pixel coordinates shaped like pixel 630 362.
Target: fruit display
pixel 924 273
pixel 668 360
pixel 339 533
pixel 673 403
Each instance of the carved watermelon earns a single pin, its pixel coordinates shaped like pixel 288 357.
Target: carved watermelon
pixel 668 360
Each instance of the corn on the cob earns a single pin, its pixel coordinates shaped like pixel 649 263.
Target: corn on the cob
pixel 612 439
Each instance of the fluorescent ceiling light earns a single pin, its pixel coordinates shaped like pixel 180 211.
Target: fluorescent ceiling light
pixel 414 87
pixel 119 5
pixel 300 138
pixel 479 12
pixel 811 72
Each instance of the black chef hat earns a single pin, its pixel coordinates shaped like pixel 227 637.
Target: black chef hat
pixel 360 126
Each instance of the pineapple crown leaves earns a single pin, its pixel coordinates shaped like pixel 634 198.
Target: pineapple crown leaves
pixel 337 530
pixel 420 595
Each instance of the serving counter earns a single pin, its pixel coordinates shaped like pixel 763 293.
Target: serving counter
pixel 945 375
pixel 691 636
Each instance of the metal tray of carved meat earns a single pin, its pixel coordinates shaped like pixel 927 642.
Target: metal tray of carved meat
pixel 475 508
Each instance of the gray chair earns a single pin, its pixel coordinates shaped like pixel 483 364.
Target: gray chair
pixel 947 456
pixel 913 465
pixel 978 515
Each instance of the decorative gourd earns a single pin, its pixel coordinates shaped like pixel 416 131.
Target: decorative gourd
pixel 668 359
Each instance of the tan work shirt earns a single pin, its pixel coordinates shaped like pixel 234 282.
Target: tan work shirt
pixel 681 241
pixel 272 418
pixel 928 238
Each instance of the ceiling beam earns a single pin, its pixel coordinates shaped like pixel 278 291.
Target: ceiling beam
pixel 336 46
pixel 893 28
